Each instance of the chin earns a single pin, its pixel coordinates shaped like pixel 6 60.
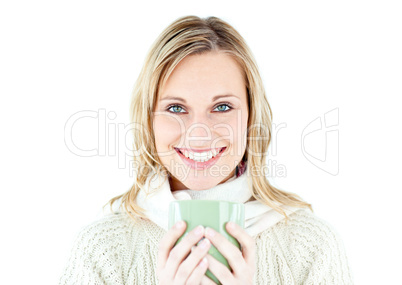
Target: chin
pixel 202 184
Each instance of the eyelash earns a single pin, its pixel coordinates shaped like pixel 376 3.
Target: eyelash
pixel 221 104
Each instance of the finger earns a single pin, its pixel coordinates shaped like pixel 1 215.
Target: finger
pixel 247 243
pixel 220 271
pixel 198 273
pixel 181 250
pixel 168 241
pixel 232 254
pixel 188 266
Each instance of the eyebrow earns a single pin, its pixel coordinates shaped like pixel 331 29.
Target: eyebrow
pixel 213 99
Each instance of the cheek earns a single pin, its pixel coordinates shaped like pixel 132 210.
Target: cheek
pixel 241 129
pixel 166 131
pixel 238 125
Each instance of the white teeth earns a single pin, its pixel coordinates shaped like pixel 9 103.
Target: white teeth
pixel 209 155
pixel 200 157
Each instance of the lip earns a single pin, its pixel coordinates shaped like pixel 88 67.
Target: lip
pixel 199 150
pixel 200 165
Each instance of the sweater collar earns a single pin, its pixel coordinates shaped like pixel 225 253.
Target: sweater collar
pixel 157 196
pixel 233 190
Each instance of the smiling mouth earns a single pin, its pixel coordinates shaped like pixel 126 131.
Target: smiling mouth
pixel 193 155
pixel 182 152
pixel 199 162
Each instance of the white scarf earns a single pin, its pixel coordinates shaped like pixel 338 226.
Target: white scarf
pixel 258 216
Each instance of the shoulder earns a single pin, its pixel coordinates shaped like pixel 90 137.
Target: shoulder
pixel 108 228
pixel 102 250
pixel 305 231
pixel 112 234
pixel 305 223
pixel 312 245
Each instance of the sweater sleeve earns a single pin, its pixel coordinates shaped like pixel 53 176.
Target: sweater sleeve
pixel 315 251
pixel 94 258
pixel 331 264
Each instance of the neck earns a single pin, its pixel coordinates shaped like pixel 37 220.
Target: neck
pixel 176 185
pixel 236 189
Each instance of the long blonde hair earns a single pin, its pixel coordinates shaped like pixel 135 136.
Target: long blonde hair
pixel 186 36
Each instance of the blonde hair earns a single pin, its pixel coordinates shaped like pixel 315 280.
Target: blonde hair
pixel 186 36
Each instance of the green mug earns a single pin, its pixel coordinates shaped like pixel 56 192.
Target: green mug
pixel 208 213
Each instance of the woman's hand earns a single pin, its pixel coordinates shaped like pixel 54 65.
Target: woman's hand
pixel 179 265
pixel 241 262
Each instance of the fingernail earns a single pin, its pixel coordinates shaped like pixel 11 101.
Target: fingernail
pixel 204 262
pixel 179 225
pixel 210 232
pixel 231 225
pixel 205 242
pixel 199 230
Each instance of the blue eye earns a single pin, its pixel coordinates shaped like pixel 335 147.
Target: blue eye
pixel 225 105
pixel 176 108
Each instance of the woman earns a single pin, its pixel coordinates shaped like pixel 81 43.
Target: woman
pixel 202 131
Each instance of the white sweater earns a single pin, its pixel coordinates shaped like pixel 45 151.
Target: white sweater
pixel 117 250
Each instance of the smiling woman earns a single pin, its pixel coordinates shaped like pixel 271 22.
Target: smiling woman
pixel 199 125
pixel 204 118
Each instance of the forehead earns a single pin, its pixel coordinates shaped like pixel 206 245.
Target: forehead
pixel 207 75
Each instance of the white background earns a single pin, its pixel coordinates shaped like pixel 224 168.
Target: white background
pixel 62 57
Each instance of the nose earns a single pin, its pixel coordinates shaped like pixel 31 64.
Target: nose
pixel 199 130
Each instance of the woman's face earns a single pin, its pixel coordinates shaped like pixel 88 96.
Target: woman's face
pixel 197 125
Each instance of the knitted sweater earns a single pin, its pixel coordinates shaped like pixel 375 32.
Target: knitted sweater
pixel 117 250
